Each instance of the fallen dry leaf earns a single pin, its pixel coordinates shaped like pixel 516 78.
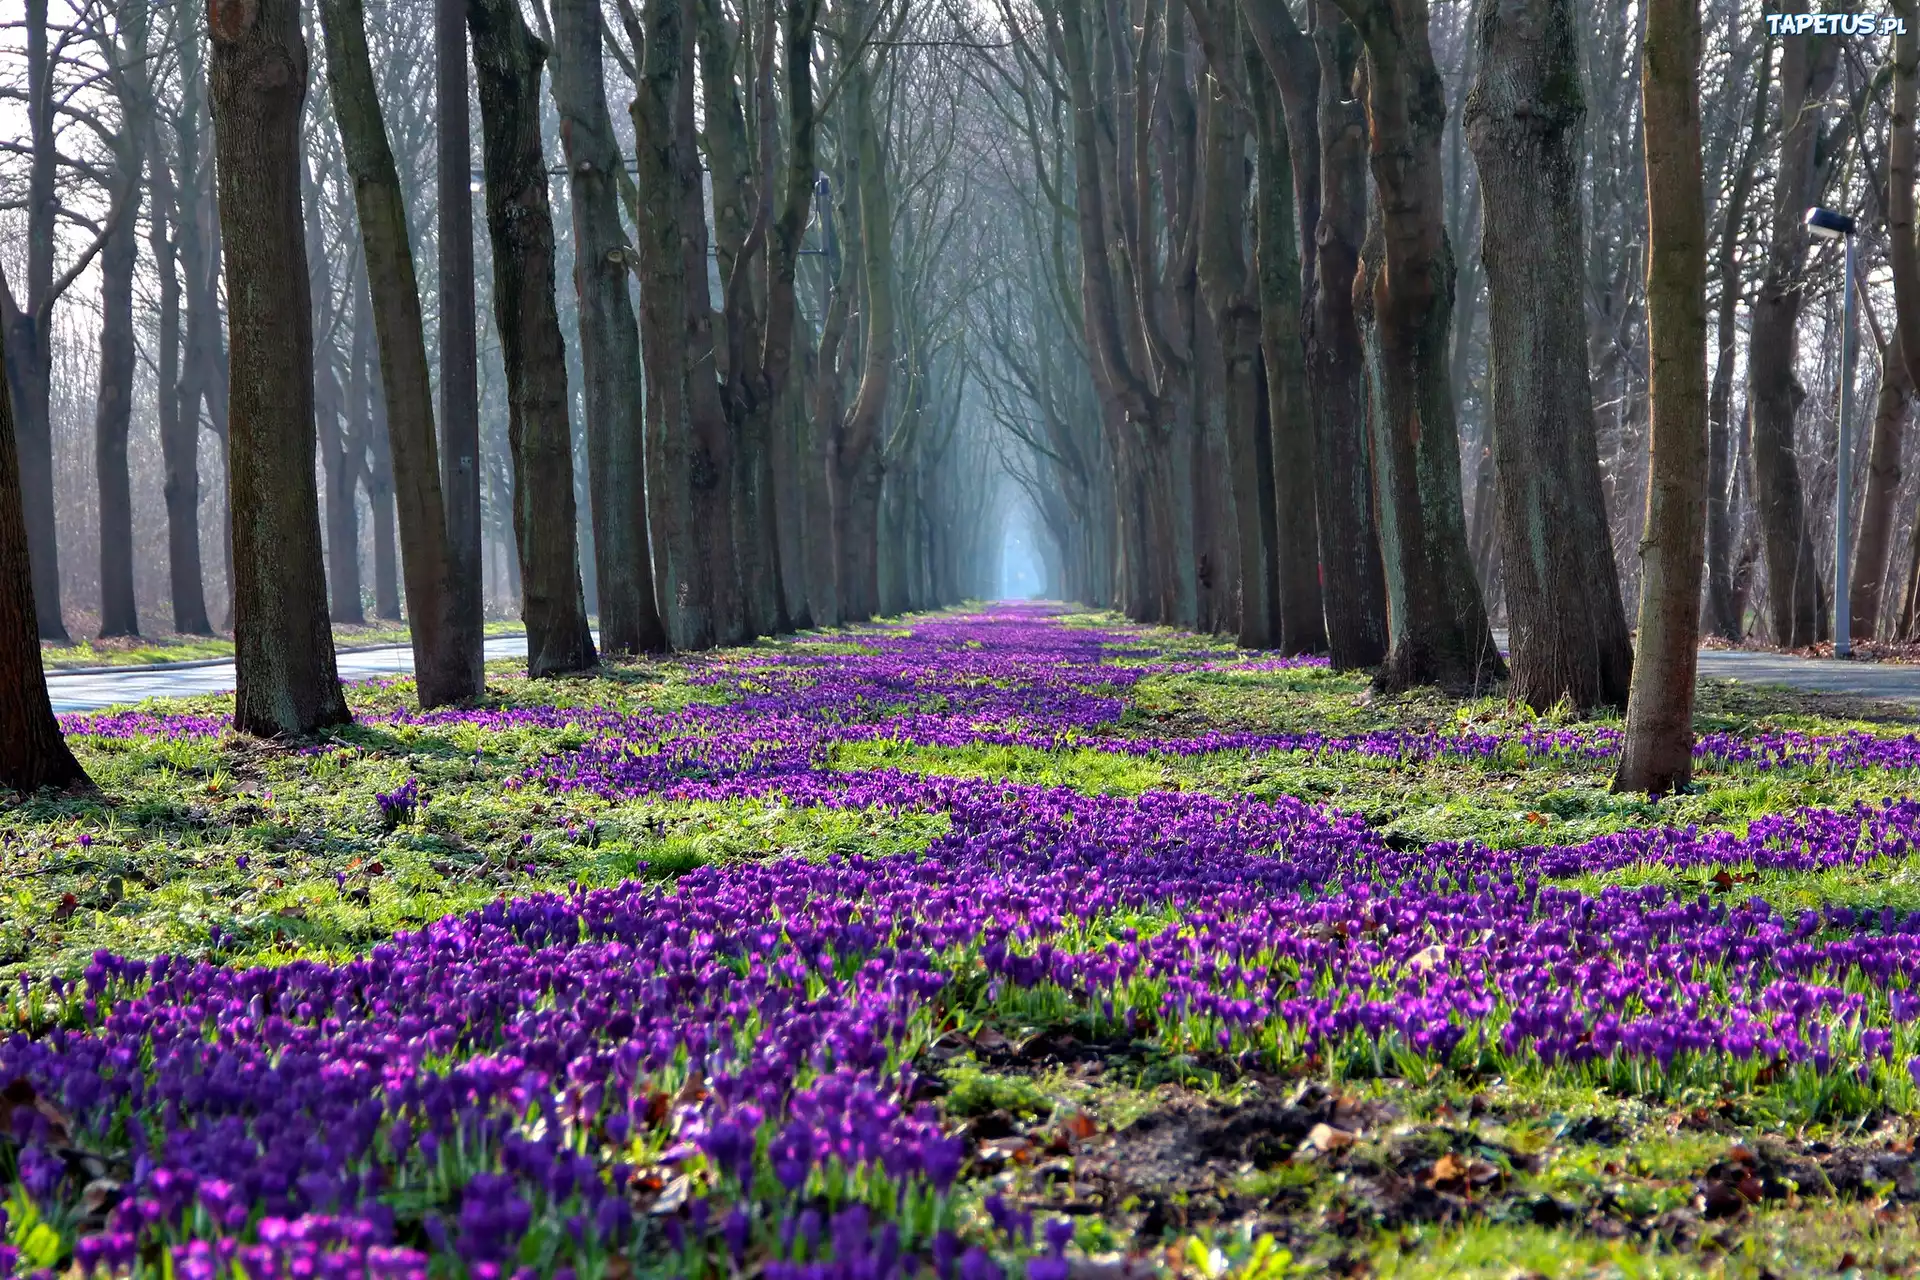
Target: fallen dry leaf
pixel 1079 1124
pixel 1324 1137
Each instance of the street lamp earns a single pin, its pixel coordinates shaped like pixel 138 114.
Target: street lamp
pixel 1828 225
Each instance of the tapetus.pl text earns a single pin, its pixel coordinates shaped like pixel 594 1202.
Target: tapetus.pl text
pixel 1835 24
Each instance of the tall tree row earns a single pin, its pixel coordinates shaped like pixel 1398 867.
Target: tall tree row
pixel 1328 325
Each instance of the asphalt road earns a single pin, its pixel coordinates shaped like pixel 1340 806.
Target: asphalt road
pixel 91 690
pixel 1894 680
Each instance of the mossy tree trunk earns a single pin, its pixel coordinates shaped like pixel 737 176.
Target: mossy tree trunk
pixel 283 646
pixel 508 59
pixel 1892 405
pixel 1404 297
pixel 1327 142
pixel 1228 286
pixel 609 338
pixel 457 330
pixel 446 668
pixel 689 446
pixel 1525 121
pixel 1295 464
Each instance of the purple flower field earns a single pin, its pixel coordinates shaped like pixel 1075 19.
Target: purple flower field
pixel 740 1071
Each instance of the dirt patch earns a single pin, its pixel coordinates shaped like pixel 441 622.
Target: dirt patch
pixel 1326 1172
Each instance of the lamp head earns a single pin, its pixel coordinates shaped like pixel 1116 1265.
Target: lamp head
pixel 1827 224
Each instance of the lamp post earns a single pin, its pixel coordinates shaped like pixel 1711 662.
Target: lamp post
pixel 1828 225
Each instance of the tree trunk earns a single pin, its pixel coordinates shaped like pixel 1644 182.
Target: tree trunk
pixel 858 459
pixel 113 407
pixel 1294 463
pixel 609 339
pixel 28 337
pixel 790 505
pixel 1525 124
pixel 1724 608
pixel 1353 576
pixel 32 752
pixel 283 647
pixel 1227 285
pixel 1870 567
pixel 340 473
pixel 1794 590
pixel 689 451
pixel 508 58
pixel 179 421
pixel 386 567
pixel 458 341
pixel 203 355
pixel 1904 256
pixel 1657 756
pixel 1440 633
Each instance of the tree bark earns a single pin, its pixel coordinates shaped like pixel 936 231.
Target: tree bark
pixel 1724 607
pixel 113 406
pixel 858 461
pixel 386 566
pixel 179 423
pixel 458 338
pixel 1525 122
pixel 1657 756
pixel 1795 593
pixel 203 376
pixel 447 668
pixel 1295 462
pixel 508 58
pixel 609 339
pixel 1404 298
pixel 28 324
pixel 1353 576
pixel 340 473
pixel 1228 287
pixel 283 646
pixel 1870 568
pixel 32 752
pixel 689 450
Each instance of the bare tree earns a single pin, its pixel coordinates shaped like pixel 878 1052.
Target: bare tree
pixel 26 322
pixel 1794 590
